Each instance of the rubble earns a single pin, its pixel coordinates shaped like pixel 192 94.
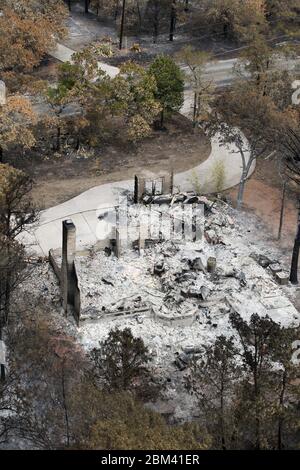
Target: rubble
pixel 242 279
pixel 197 264
pixel 282 277
pixel 159 266
pixel 212 237
pixel 181 290
pixel 191 200
pixel 160 200
pixel 264 261
pixel 185 198
pixel 275 268
pixel 178 295
pixel 182 361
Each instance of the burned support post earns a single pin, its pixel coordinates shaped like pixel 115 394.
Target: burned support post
pixel 198 222
pixel 119 243
pixel 139 188
pixel 284 187
pixel 168 183
pixel 68 258
pixel 136 190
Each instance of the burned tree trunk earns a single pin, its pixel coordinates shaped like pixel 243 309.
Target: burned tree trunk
pixel 295 256
pixel 173 20
pixel 291 154
pixel 283 195
pixel 122 24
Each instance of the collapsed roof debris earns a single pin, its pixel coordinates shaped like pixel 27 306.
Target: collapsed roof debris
pixel 180 294
pixel 177 295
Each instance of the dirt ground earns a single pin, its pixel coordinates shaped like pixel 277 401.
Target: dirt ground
pixel 263 197
pixel 60 177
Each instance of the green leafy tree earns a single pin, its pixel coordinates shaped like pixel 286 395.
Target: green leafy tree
pixel 256 339
pixel 170 84
pixel 71 88
pixel 267 395
pixel 60 405
pixel 123 364
pixel 286 390
pixel 212 378
pixel 133 97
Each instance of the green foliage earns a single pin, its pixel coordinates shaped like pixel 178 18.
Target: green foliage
pixel 196 182
pixel 213 379
pixel 246 386
pixel 123 364
pixel 57 95
pixel 218 175
pixel 132 96
pixel 62 407
pixel 264 410
pixel 69 74
pixel 170 83
pixel 71 85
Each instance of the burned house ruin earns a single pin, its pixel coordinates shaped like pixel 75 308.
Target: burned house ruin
pixel 196 276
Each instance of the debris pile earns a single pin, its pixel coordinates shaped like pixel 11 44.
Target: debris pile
pixel 182 283
pixel 177 295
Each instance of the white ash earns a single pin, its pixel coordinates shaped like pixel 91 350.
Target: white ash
pixel 129 283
